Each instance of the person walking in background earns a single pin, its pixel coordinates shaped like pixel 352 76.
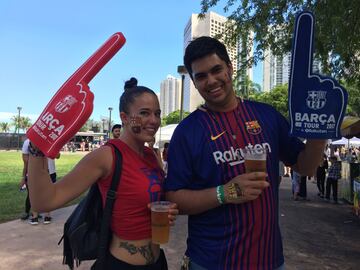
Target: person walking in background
pixel 321 175
pixel 141 182
pixel 281 171
pixel 334 174
pixel 115 131
pixel 53 176
pixel 295 184
pixel 156 151
pixel 303 188
pixel 34 218
pixel 287 171
pixel 164 157
pixel 233 219
pixel 23 181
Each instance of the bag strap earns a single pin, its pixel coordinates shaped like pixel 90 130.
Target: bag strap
pixel 107 213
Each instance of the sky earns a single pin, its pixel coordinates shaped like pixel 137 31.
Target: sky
pixel 43 42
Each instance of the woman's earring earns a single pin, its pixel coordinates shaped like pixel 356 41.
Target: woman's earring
pixel 135 124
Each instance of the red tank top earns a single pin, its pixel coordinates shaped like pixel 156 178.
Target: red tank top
pixel 141 182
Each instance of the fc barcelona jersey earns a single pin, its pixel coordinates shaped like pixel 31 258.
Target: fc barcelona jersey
pixel 206 151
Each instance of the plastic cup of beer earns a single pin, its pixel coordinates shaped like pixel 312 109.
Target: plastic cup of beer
pixel 160 222
pixel 255 160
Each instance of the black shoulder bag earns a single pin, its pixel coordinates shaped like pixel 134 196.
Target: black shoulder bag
pixel 87 230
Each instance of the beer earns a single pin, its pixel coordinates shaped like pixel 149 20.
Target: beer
pixel 255 161
pixel 252 165
pixel 160 222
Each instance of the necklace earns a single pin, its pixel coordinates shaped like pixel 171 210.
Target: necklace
pixel 211 113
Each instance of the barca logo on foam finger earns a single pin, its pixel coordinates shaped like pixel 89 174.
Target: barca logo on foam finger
pixel 317 103
pixel 72 104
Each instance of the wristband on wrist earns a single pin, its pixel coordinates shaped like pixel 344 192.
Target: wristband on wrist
pixel 220 194
pixel 35 152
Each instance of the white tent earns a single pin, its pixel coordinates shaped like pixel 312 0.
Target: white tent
pixel 343 141
pixel 164 134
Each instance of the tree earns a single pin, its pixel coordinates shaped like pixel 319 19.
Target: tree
pixel 22 123
pixel 277 97
pixel 173 118
pixel 353 107
pixel 244 87
pixel 337 30
pixel 4 127
pixel 25 123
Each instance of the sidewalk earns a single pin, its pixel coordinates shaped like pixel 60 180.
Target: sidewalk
pixel 317 236
pixel 24 246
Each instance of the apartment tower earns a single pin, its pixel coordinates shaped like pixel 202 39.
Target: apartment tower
pixel 170 91
pixel 211 25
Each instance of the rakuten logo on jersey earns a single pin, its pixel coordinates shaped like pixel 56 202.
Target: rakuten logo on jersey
pixel 235 156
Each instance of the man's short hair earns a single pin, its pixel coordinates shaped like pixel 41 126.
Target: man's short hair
pixel 204 46
pixel 115 126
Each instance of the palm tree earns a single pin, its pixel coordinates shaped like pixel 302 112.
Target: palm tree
pixel 15 122
pixel 25 123
pixel 244 87
pixel 21 123
pixel 4 127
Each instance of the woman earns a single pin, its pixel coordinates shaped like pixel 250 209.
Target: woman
pixel 141 182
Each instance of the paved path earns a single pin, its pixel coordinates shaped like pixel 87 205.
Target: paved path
pixel 24 246
pixel 317 236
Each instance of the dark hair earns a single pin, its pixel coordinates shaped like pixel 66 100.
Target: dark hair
pixel 131 91
pixel 115 126
pixel 166 145
pixel 201 47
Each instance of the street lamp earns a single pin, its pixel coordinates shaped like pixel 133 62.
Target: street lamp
pixel 110 109
pixel 182 71
pixel 18 124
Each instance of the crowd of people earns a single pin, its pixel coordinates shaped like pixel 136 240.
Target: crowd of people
pixel 233 214
pixel 327 174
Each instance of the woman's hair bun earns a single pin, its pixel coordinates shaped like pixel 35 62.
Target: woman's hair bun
pixel 130 83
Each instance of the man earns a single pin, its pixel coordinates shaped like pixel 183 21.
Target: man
pixel 23 181
pixel 116 131
pixel 53 176
pixel 34 219
pixel 233 215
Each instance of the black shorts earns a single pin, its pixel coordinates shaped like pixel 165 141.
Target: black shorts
pixel 53 177
pixel 113 263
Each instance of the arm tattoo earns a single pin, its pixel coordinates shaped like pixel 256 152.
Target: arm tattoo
pixel 145 251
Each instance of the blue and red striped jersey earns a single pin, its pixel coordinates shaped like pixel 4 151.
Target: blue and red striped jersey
pixel 206 151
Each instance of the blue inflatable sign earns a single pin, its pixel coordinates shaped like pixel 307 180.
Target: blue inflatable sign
pixel 316 103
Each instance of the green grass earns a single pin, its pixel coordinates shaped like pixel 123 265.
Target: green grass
pixel 12 201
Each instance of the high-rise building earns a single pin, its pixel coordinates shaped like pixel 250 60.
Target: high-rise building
pixel 276 70
pixel 211 25
pixel 170 90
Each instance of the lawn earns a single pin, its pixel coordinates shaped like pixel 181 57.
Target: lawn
pixel 12 200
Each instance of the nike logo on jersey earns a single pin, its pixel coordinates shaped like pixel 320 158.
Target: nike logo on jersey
pixel 213 138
